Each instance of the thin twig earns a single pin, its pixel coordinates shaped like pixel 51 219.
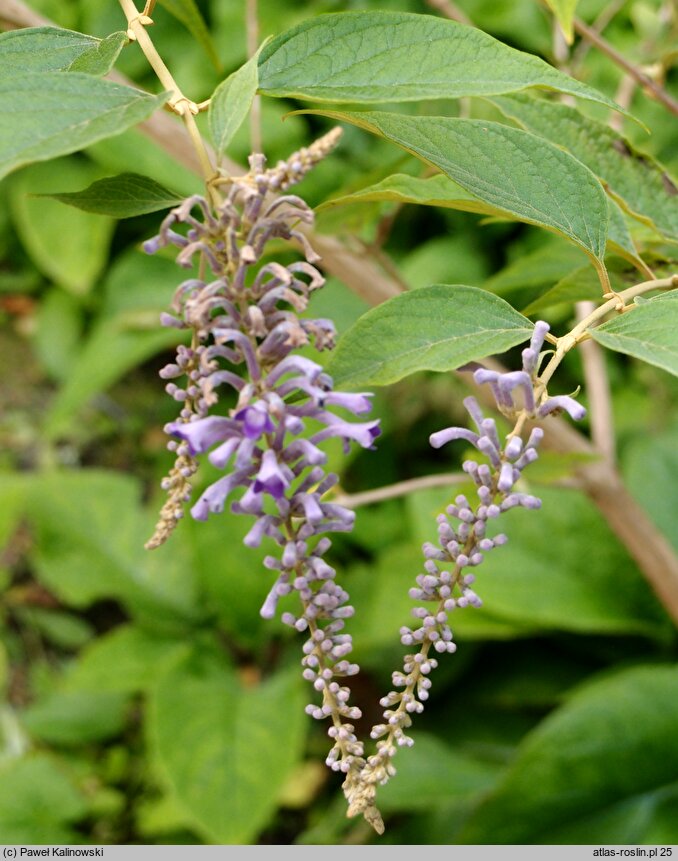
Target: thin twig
pixel 400 488
pixel 608 12
pixel 645 81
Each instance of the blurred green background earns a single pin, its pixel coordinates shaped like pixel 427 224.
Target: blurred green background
pixel 142 697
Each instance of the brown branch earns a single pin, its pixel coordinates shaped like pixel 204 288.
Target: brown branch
pixel 649 86
pixel 600 481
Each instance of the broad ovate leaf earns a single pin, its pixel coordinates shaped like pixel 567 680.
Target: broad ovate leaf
pixel 647 332
pixel 641 185
pixel 611 746
pixel 398 56
pixel 436 328
pixel 226 748
pixel 511 170
pixel 49 114
pixel 122 196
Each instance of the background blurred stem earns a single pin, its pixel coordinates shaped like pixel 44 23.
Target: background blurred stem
pixel 252 25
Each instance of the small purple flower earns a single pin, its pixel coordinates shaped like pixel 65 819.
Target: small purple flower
pixel 255 420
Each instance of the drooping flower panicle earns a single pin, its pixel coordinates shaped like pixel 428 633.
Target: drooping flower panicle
pixel 246 326
pixel 466 533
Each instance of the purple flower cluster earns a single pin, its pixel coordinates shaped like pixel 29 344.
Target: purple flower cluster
pixel 269 445
pixel 464 537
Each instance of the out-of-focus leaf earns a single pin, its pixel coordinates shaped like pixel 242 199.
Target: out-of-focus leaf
pixel 127 660
pixel 431 774
pixel 437 328
pixel 379 593
pixel 42 49
pixel 137 288
pixel 612 744
pixel 564 12
pixel 231 103
pixel 115 155
pixel 59 627
pixel 54 114
pixel 539 577
pixel 72 718
pixel 397 56
pixel 520 280
pixel 441 191
pixel 58 332
pixel 579 285
pixel 112 348
pixel 81 559
pixel 68 246
pixel 651 473
pixel 99 59
pixel 438 190
pixel 229 757
pixel 648 332
pixel 38 801
pixel 122 196
pixel 641 185
pixel 515 172
pixel 189 14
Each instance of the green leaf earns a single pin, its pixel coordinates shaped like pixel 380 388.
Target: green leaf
pixel 607 595
pixel 431 774
pixel 127 332
pixel 647 332
pixel 115 155
pixel 81 560
pixel 438 190
pixel 564 11
pixel 73 717
pixel 434 328
pixel 38 801
pixel 99 59
pixel 231 103
pixel 651 474
pixel 189 14
pixel 122 196
pixel 42 225
pixel 58 332
pixel 227 749
pixel 579 285
pixel 641 185
pixel 619 239
pixel 399 56
pixel 523 279
pixel 515 172
pixel 128 660
pixel 63 629
pixel 42 49
pixel 613 743
pixel 50 114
